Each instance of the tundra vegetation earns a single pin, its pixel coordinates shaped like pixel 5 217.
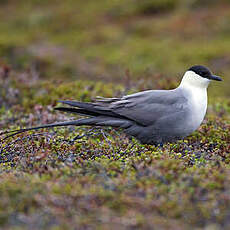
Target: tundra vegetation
pixel 75 49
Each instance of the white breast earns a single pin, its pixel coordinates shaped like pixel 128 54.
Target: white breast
pixel 198 106
pixel 196 93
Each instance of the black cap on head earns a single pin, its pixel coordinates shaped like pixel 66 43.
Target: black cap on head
pixel 204 72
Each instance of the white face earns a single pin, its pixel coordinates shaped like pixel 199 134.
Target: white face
pixel 191 79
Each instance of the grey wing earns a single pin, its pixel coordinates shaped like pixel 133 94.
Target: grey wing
pixel 147 107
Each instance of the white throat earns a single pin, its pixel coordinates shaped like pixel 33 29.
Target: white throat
pixel 191 79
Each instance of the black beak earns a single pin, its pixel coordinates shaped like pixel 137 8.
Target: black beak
pixel 216 78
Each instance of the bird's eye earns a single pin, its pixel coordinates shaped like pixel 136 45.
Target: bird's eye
pixel 203 73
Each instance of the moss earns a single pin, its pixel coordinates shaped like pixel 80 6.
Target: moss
pixel 68 50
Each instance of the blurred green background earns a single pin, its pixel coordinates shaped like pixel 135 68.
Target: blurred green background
pixel 141 40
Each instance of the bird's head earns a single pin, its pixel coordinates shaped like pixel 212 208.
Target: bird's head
pixel 198 76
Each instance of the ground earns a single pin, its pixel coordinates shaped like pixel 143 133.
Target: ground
pixel 51 50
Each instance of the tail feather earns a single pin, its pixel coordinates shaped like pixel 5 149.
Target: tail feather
pixel 79 104
pixel 99 115
pixel 94 121
pixel 76 110
pixel 66 123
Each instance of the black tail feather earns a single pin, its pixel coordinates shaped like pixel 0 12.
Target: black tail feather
pixel 92 121
pixel 79 104
pixel 97 116
pixel 15 132
pixel 76 110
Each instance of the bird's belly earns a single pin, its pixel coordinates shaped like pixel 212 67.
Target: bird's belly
pixel 178 127
pixel 196 120
pixel 197 114
pixel 172 128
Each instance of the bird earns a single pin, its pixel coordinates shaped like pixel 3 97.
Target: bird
pixel 153 117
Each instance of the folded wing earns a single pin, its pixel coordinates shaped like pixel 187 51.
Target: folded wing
pixel 143 108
